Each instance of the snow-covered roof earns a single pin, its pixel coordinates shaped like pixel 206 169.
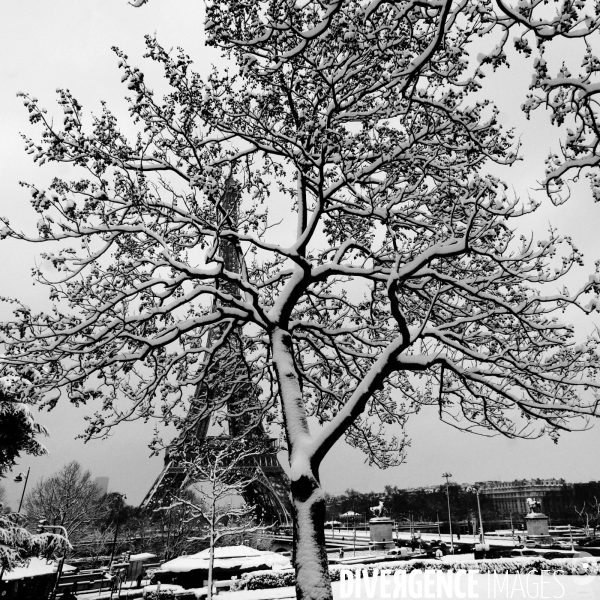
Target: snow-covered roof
pixel 227 557
pixel 35 568
pixel 142 556
pixel 230 552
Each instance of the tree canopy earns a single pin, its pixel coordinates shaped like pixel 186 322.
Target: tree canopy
pixel 19 432
pixel 379 266
pixel 69 498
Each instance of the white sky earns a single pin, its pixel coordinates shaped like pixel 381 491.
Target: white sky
pixel 67 43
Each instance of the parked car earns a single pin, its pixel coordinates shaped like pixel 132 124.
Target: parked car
pixel 499 553
pixel 553 554
pixel 524 552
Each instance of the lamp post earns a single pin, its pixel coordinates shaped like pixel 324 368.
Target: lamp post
pixel 112 554
pixel 512 527
pixel 354 523
pixel 571 537
pixel 447 476
pixel 476 491
pixel 18 479
pixel 333 504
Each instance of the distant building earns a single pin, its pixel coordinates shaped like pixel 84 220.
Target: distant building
pixel 511 496
pixel 429 489
pixel 102 483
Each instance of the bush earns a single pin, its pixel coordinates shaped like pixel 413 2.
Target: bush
pixel 258 580
pixel 512 566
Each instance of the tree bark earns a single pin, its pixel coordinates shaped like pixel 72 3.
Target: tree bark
pixel 308 502
pixel 310 554
pixel 211 552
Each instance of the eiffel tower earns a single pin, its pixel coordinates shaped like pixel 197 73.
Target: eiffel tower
pixel 228 384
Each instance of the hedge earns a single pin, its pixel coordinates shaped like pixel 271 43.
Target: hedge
pixel 566 566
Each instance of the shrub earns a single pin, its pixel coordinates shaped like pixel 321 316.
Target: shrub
pixel 513 566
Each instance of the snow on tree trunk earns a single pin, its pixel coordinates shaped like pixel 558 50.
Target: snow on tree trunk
pixel 308 503
pixel 211 555
pixel 310 556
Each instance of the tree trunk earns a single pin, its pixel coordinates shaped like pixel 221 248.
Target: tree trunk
pixel 308 501
pixel 211 552
pixel 310 555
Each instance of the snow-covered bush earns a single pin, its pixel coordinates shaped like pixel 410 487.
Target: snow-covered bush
pixel 264 580
pixel 517 566
pixel 17 545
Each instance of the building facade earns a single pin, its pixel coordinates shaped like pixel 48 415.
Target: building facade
pixel 510 497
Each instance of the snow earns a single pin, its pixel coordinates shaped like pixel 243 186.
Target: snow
pixel 230 552
pixel 309 575
pixel 35 568
pixel 274 594
pixel 142 556
pixel 149 589
pixel 227 557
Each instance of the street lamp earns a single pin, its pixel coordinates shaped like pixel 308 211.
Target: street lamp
pixel 122 497
pixel 447 476
pixel 18 479
pixel 474 489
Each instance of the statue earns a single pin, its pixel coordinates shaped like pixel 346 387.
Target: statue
pixel 534 505
pixel 377 510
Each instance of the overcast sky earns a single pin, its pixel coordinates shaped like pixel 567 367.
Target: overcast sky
pixel 45 45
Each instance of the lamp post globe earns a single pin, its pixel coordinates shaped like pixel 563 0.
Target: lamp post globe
pixel 18 479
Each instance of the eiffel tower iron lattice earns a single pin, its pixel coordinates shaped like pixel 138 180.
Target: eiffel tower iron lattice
pixel 228 383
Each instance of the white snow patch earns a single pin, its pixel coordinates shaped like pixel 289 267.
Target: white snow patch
pixel 35 568
pixel 227 557
pixel 142 556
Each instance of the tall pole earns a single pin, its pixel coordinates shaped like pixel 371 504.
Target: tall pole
pixel 512 527
pixel 61 561
pixel 354 522
pixel 480 520
pixel 114 544
pixel 571 536
pixel 24 488
pixel 447 476
pixel 333 520
pixel 438 524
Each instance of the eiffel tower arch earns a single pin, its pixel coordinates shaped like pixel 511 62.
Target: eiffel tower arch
pixel 228 384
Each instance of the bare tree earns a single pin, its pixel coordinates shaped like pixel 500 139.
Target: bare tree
pixel 69 498
pixel 589 513
pixel 221 469
pixel 396 279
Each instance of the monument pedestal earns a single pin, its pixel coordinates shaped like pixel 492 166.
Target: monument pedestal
pixel 537 528
pixel 381 531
